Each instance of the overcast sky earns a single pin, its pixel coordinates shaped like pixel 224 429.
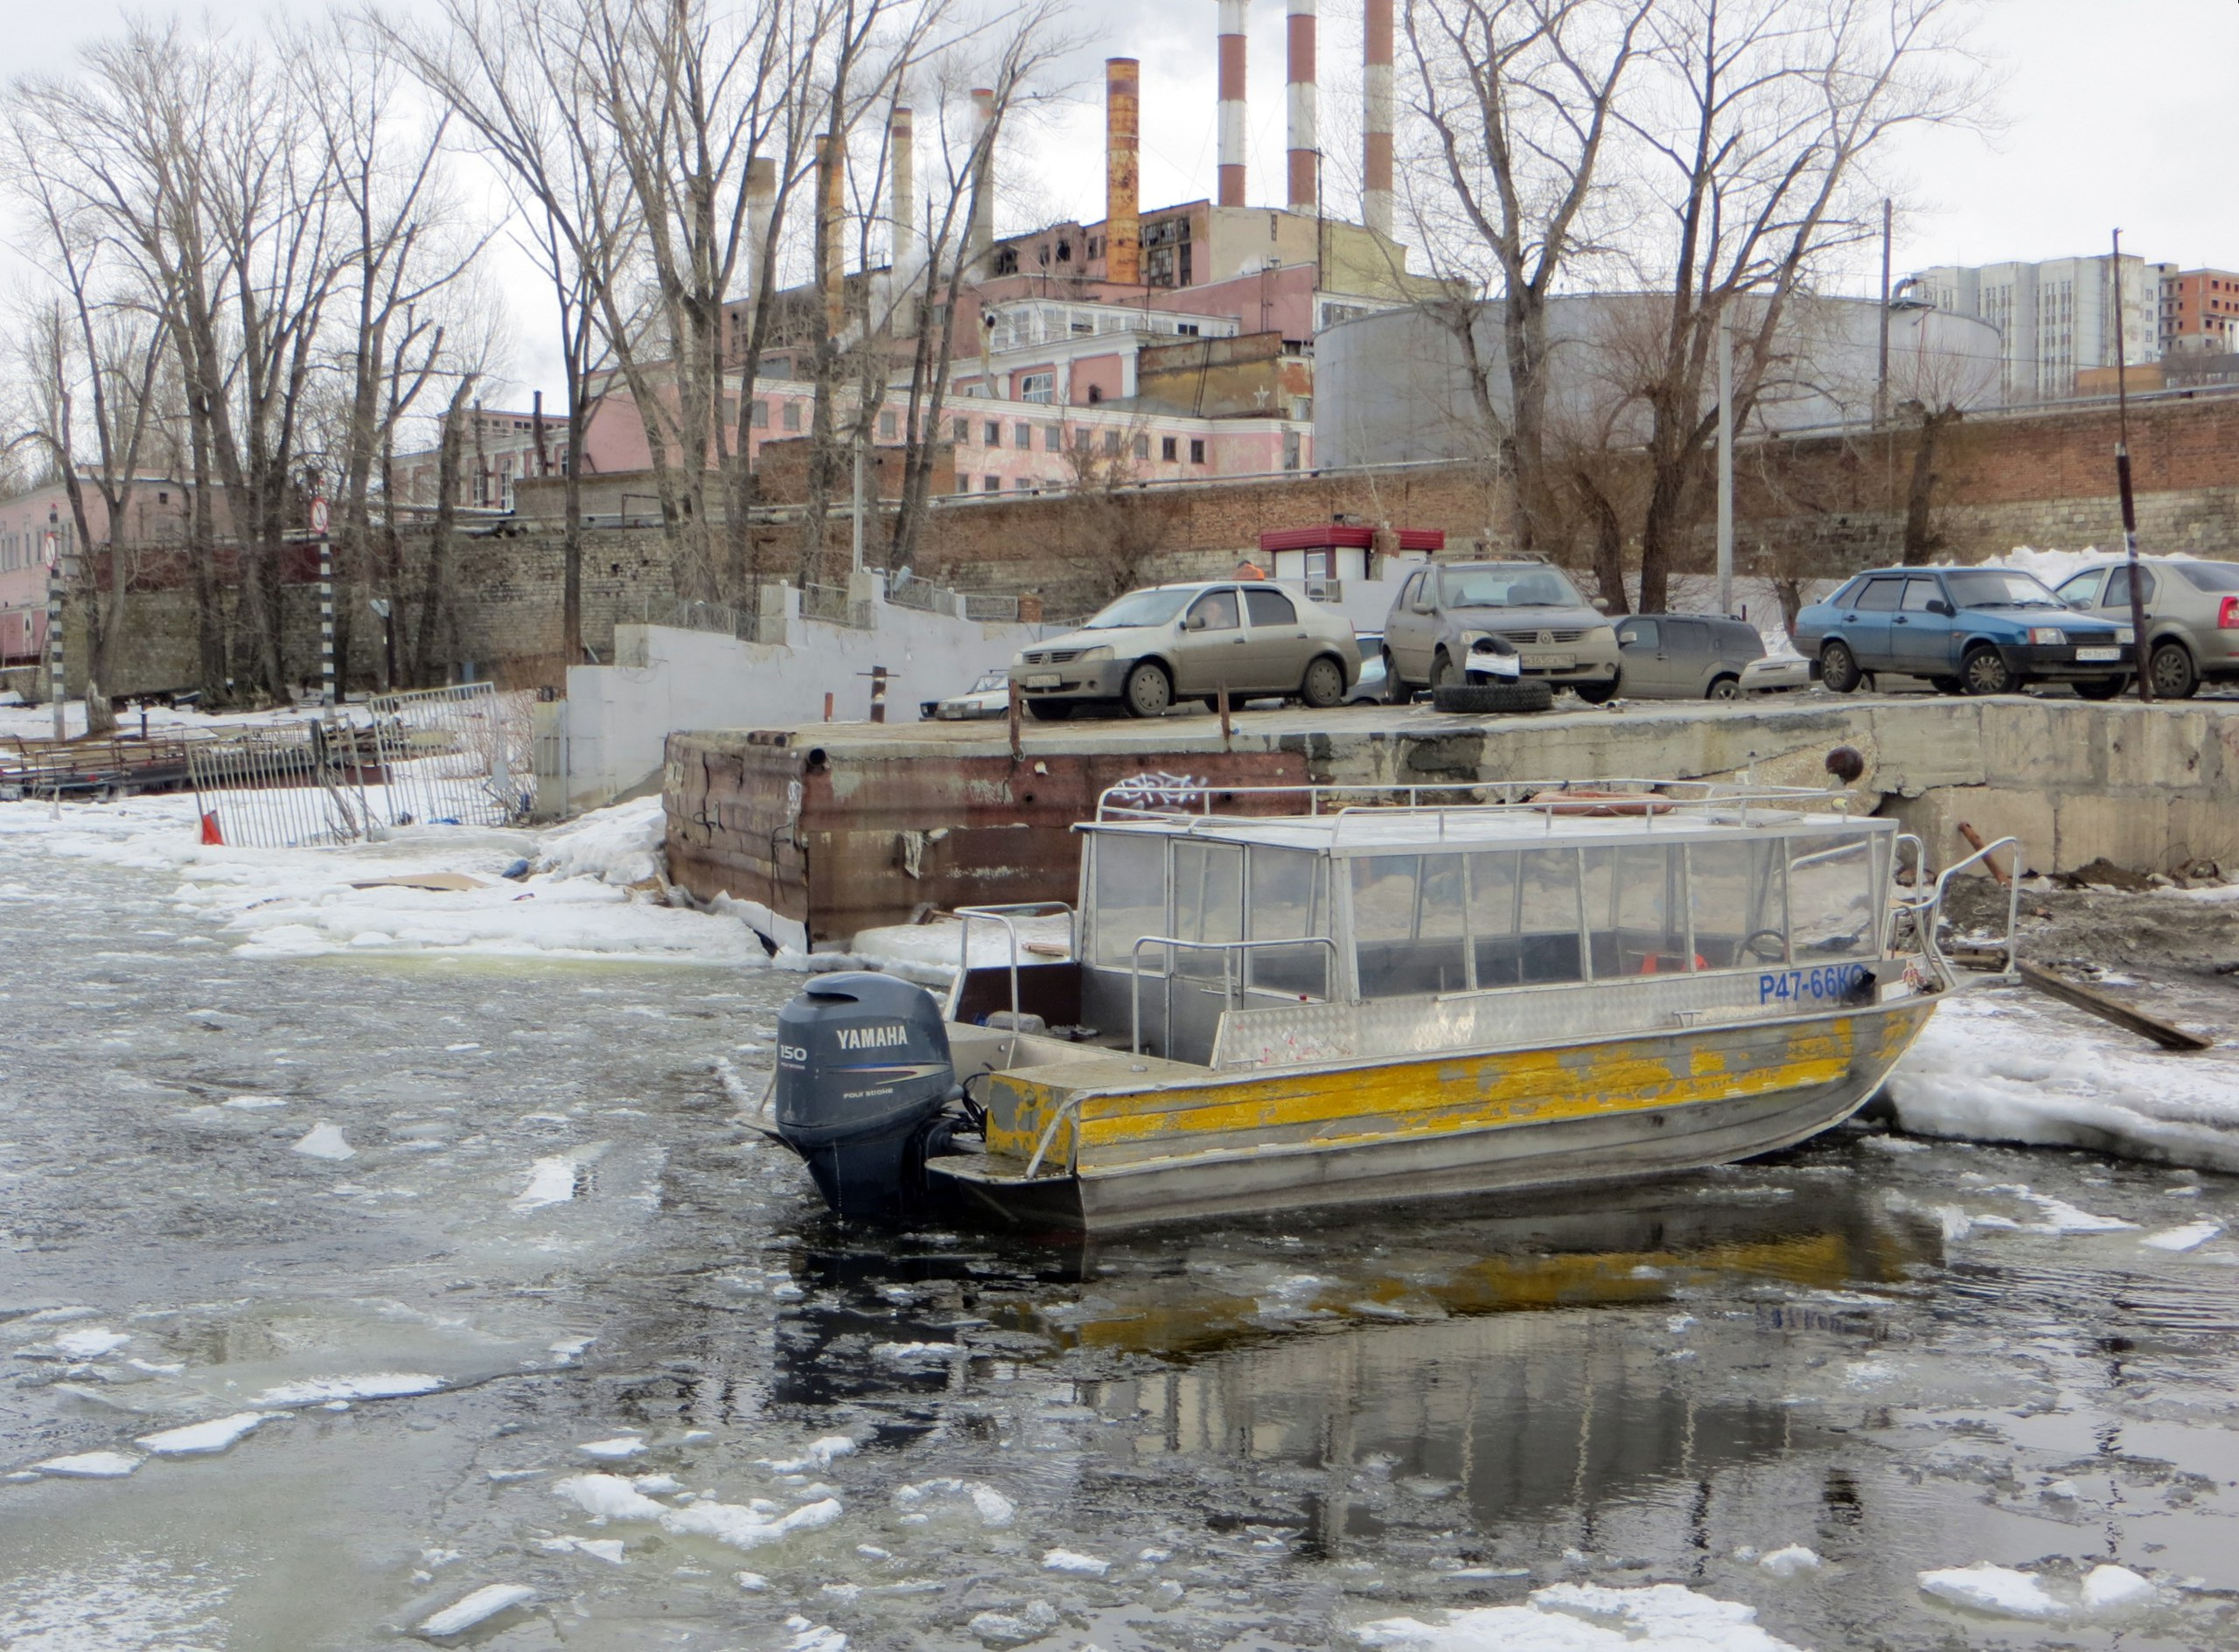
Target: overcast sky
pixel 2111 112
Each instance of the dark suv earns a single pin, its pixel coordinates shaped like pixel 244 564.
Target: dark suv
pixel 1976 630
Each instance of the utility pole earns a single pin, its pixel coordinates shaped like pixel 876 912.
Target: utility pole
pixel 326 684
pixel 1881 384
pixel 57 684
pixel 1726 461
pixel 2139 653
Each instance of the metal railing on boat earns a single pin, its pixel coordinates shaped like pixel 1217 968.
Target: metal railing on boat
pixel 1232 979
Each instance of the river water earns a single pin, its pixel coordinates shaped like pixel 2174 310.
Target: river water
pixel 1900 1356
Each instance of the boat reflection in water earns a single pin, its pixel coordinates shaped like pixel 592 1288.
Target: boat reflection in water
pixel 1349 1380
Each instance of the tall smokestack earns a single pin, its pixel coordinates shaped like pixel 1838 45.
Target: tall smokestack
pixel 761 207
pixel 981 247
pixel 1305 145
pixel 1231 104
pixel 1376 137
pixel 831 246
pixel 902 202
pixel 1123 229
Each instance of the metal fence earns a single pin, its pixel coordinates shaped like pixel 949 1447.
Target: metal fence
pixel 724 618
pixel 906 590
pixel 436 756
pixel 985 606
pixel 828 604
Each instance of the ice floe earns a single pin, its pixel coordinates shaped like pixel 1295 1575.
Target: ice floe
pixel 1573 1617
pixel 624 1445
pixel 1069 1560
pixel 2003 1592
pixel 484 1604
pixel 1793 1561
pixel 91 1343
pixel 606 1549
pixel 195 1439
pixel 994 1509
pixel 326 1142
pixel 2191 1236
pixel 612 1497
pixel 91 1465
pixel 329 1390
pixel 819 1454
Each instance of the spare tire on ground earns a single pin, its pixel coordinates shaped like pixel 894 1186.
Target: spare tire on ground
pixel 1531 694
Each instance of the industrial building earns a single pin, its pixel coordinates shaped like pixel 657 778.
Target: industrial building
pixel 2058 318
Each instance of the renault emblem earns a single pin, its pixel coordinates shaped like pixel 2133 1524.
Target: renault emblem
pixel 1546 637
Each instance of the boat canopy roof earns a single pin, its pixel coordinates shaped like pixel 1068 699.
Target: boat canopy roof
pixel 1366 820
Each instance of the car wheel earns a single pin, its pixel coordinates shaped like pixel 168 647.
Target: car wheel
pixel 1323 685
pixel 1532 694
pixel 1149 691
pixel 1396 691
pixel 1049 710
pixel 2175 676
pixel 2101 688
pixel 1442 671
pixel 1984 671
pixel 1597 694
pixel 1725 689
pixel 1838 668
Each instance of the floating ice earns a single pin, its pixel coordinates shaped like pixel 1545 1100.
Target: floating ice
pixel 1004 1628
pixel 752 1582
pixel 550 1181
pixel 814 1637
pixel 994 1509
pixel 1791 1561
pixel 252 1104
pixel 2107 1590
pixel 626 1446
pixel 612 1497
pixel 92 1343
pixel 326 1142
pixel 486 1602
pixel 609 1497
pixel 910 1353
pixel 819 1452
pixel 656 1485
pixel 1068 1560
pixel 571 1347
pixel 329 1390
pixel 606 1549
pixel 2061 1217
pixel 2191 1236
pixel 196 1438
pixel 1573 1617
pixel 1995 1591
pixel 91 1465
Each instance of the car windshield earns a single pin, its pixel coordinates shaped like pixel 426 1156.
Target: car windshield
pixel 2000 587
pixel 1527 587
pixel 2210 576
pixel 993 679
pixel 1142 608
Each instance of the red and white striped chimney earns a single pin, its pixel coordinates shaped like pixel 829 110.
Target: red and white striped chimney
pixel 1231 102
pixel 1375 136
pixel 1305 142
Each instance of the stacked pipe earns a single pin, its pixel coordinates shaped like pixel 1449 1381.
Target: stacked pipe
pixel 902 162
pixel 1376 137
pixel 1305 145
pixel 980 247
pixel 1123 240
pixel 830 160
pixel 1231 102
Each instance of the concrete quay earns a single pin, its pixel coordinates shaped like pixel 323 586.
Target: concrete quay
pixel 829 828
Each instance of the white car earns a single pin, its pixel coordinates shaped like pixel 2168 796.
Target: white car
pixel 989 696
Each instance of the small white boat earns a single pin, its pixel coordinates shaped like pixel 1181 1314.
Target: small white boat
pixel 1457 990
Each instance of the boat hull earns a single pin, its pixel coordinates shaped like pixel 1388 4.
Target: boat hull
pixel 1601 1111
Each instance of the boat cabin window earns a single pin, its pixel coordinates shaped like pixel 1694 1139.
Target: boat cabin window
pixel 1637 910
pixel 1127 897
pixel 1453 923
pixel 1288 898
pixel 1407 924
pixel 1832 885
pixel 1734 897
pixel 1219 892
pixel 1208 902
pixel 1523 918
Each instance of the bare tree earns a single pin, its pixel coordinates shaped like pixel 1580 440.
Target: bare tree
pixel 1756 125
pixel 1517 97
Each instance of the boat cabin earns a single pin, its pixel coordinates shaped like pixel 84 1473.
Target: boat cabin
pixel 1355 932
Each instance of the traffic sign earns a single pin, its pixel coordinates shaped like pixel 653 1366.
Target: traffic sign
pixel 319 516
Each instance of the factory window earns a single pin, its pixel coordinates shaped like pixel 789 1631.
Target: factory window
pixel 960 431
pixel 1196 449
pixel 1142 447
pixel 1095 395
pixel 991 484
pixel 1035 387
pixel 1053 437
pixel 1064 252
pixel 1169 448
pixel 993 433
pixel 1081 437
pixel 1187 330
pixel 1111 444
pixel 1022 437
pixel 761 416
pixel 1290 451
pixel 792 416
pixel 1024 484
pixel 1006 261
pixel 889 426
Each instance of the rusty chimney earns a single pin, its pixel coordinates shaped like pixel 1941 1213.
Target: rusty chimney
pixel 980 245
pixel 901 192
pixel 1305 145
pixel 1231 102
pixel 1376 137
pixel 1123 230
pixel 761 207
pixel 831 232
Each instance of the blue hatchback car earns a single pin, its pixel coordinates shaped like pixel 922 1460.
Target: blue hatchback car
pixel 1976 631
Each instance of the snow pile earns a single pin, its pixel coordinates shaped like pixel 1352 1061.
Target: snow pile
pixel 611 1497
pixel 2001 1592
pixel 620 845
pixel 2001 1070
pixel 940 945
pixel 1575 1617
pixel 2052 567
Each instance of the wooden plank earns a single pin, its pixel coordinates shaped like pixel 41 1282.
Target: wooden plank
pixel 2122 1015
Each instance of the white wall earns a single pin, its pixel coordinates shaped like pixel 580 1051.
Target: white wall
pixel 609 731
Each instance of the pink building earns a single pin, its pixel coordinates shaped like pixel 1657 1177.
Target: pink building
pixel 157 514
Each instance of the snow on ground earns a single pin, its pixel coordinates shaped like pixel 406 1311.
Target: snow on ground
pixel 305 903
pixel 1992 1066
pixel 1574 1617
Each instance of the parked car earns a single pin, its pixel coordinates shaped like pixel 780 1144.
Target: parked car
pixel 1367 688
pixel 1776 675
pixel 1171 643
pixel 1443 609
pixel 1687 656
pixel 1976 630
pixel 2192 617
pixel 989 696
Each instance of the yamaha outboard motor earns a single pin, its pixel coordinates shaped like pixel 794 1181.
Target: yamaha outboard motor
pixel 864 1078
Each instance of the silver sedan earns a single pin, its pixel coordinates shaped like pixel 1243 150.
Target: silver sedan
pixel 2192 617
